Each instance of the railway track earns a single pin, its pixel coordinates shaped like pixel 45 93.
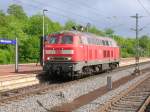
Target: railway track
pixel 147 109
pixel 16 94
pixel 134 99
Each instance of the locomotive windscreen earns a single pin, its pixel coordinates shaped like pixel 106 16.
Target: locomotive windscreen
pixel 67 40
pixel 61 40
pixel 53 40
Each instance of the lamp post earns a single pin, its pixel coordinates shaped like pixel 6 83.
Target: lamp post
pixel 44 10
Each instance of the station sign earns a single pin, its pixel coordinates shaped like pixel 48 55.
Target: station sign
pixel 6 41
pixel 13 42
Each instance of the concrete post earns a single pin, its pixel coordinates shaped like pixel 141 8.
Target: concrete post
pixel 109 82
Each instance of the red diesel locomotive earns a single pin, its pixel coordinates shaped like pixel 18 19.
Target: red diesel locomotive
pixel 73 53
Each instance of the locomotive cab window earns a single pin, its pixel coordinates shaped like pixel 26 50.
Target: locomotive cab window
pixel 53 40
pixel 67 40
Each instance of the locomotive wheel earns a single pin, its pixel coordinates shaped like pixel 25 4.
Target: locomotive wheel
pixel 76 75
pixel 87 71
pixel 71 75
pixel 113 66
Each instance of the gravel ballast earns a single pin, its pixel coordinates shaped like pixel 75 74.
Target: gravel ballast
pixel 100 101
pixel 66 94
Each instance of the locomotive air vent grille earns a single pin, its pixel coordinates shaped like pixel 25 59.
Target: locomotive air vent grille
pixel 61 58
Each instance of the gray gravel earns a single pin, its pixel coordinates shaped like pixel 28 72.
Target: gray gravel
pixel 66 94
pixel 30 104
pixel 100 101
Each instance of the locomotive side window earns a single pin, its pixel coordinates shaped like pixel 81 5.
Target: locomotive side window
pixel 103 42
pixel 93 41
pixel 84 40
pixel 67 40
pixel 53 40
pixel 88 39
pixel 80 40
pixel 100 42
pixel 96 41
pixel 110 43
pixel 106 42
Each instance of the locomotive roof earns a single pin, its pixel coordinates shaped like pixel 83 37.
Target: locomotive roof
pixel 87 34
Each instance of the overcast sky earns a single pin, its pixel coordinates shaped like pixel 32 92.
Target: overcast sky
pixel 103 14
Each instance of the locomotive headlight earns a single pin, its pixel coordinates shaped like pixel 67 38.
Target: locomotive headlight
pixel 69 58
pixel 48 58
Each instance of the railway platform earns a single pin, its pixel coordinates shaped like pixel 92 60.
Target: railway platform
pixel 26 76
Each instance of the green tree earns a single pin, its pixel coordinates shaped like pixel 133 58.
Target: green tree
pixel 34 25
pixel 69 24
pixel 17 11
pixel 3 19
pixel 109 32
pixel 96 31
pixel 144 43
